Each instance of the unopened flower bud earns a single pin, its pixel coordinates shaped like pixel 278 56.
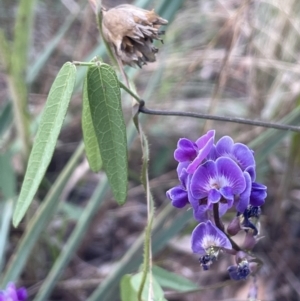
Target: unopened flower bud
pixel 130 31
pixel 234 226
pixel 249 242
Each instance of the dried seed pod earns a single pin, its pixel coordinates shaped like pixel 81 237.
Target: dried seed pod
pixel 130 32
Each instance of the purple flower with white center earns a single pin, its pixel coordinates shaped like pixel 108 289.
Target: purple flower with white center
pixel 238 152
pixel 244 197
pixel 11 293
pixel 179 194
pixel 194 152
pixel 217 182
pixel 239 272
pixel 207 240
pixel 258 194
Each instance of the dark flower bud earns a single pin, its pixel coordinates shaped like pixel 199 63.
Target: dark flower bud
pixel 239 272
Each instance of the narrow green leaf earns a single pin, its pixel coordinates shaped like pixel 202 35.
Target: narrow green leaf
pixel 105 105
pixel 89 136
pixel 173 281
pixel 45 141
pixel 126 290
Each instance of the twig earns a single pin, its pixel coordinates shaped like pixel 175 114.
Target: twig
pixel 282 127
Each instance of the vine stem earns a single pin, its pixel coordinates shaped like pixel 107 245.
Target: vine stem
pixel 282 127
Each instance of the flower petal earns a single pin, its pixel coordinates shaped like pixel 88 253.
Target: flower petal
pixel 186 150
pixel 214 196
pixel 224 146
pixel 200 181
pixel 231 174
pixel 258 194
pixel 227 194
pixel 204 145
pixel 207 235
pixel 178 196
pixel 244 198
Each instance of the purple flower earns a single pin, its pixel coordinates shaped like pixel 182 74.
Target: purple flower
pixel 194 152
pixel 11 293
pixel 244 197
pixel 217 182
pixel 238 152
pixel 258 194
pixel 240 271
pixel 179 194
pixel 207 240
pixel 206 236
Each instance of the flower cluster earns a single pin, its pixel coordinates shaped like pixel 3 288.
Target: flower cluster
pixel 214 178
pixel 11 293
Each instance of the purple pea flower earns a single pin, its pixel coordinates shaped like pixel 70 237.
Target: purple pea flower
pixel 220 182
pixel 240 271
pixel 238 152
pixel 208 240
pixel 258 194
pixel 194 152
pixel 11 293
pixel 179 194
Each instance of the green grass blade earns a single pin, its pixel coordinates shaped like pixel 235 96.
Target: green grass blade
pixel 105 105
pixel 89 135
pixel 4 51
pixel 22 37
pixel 45 141
pixel 6 118
pixel 8 182
pixel 17 70
pixel 5 220
pixel 266 141
pixel 39 221
pixel 37 66
pixel 73 242
pixel 168 9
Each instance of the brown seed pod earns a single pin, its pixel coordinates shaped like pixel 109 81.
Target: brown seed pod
pixel 130 32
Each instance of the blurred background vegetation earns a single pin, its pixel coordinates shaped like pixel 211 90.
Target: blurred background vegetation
pixel 227 57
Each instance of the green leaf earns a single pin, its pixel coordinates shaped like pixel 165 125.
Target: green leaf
pixel 105 105
pixel 45 141
pixel 150 284
pixel 126 290
pixel 173 281
pixel 89 136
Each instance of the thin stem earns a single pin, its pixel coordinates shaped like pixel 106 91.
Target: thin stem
pixel 282 127
pixel 217 219
pixel 124 87
pixel 87 64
